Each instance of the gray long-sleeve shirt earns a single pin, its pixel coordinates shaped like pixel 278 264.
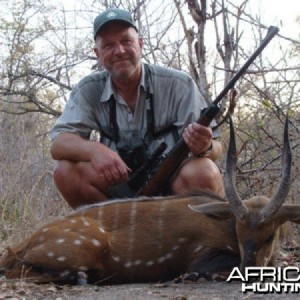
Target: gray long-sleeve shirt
pixel 176 102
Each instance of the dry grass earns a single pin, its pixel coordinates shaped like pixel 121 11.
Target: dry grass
pixel 28 197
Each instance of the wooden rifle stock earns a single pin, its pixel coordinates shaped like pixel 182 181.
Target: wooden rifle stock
pixel 174 158
pixel 180 151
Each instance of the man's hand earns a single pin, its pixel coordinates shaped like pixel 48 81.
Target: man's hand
pixel 198 138
pixel 108 165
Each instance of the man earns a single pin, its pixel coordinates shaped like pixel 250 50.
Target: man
pixel 135 106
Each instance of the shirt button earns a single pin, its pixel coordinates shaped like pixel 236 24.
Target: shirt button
pixel 130 116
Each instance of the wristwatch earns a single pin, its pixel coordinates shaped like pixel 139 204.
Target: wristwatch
pixel 206 152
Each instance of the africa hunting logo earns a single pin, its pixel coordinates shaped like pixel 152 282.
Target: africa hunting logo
pixel 267 279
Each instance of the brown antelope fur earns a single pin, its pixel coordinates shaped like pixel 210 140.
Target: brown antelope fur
pixel 141 240
pixel 155 239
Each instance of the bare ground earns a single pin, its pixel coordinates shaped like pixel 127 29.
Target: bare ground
pixel 182 291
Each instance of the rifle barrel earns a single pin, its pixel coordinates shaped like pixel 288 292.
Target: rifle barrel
pixel 271 33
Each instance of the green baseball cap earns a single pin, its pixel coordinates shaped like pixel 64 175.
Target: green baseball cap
pixel 112 15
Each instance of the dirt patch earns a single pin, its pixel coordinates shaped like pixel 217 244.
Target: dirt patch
pixel 182 291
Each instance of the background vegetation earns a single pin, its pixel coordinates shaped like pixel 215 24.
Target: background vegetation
pixel 46 47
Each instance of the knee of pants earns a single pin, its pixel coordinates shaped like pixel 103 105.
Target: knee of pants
pixel 203 172
pixel 62 171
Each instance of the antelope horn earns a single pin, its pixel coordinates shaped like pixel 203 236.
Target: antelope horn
pixel 286 162
pixel 237 206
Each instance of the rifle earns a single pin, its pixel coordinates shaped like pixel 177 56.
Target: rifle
pixel 138 178
pixel 180 151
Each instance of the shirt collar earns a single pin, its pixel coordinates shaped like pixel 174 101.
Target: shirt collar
pixel 108 90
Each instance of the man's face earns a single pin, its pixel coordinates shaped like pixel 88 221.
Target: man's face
pixel 118 48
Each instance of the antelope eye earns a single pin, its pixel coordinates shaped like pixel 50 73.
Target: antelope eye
pixel 269 239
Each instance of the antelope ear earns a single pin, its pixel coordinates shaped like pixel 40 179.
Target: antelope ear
pixel 214 210
pixel 289 212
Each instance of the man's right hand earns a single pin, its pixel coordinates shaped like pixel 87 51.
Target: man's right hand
pixel 107 163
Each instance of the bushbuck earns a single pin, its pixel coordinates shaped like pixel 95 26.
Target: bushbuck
pixel 156 239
